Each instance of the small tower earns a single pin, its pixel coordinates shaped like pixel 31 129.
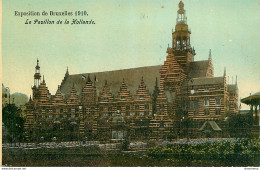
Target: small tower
pixel 37 75
pixel 37 81
pixel 181 36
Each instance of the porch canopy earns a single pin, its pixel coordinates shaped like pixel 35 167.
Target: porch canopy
pixel 252 99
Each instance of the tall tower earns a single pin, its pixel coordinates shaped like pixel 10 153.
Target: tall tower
pixel 37 80
pixel 181 39
pixel 181 36
pixel 37 75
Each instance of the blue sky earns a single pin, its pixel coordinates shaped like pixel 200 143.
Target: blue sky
pixel 128 34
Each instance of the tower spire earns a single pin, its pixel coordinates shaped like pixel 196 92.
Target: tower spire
pixel 88 78
pixel 181 16
pixel 210 54
pixel 67 72
pixel 181 36
pixel 37 75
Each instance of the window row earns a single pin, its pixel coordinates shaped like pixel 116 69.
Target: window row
pixel 128 107
pixel 59 116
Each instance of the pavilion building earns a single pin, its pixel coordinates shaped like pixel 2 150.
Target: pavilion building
pixel 138 103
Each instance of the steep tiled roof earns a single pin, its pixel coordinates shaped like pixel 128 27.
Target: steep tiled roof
pixel 212 124
pixel 132 78
pixel 198 69
pixel 206 81
pixel 231 87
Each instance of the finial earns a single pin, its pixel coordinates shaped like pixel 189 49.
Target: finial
pixel 67 72
pixel 58 87
pixel 123 80
pixel 225 71
pixel 210 53
pixel 142 78
pixel 181 5
pixel 43 79
pixel 236 80
pixel 30 98
pixel 89 78
pixel 73 85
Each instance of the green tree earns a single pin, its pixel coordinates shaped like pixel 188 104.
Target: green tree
pixel 13 122
pixel 240 125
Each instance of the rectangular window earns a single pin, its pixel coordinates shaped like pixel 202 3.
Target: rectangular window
pixel 206 102
pixel 206 90
pixel 141 113
pixel 132 114
pixel 218 111
pixel 192 104
pixel 146 106
pixel 136 107
pixel 217 102
pixel 161 106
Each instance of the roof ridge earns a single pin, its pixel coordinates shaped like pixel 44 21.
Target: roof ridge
pixel 207 77
pixel 199 61
pixel 116 70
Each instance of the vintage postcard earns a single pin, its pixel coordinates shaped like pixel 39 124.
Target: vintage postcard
pixel 171 83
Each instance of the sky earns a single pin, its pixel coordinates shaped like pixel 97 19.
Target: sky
pixel 128 34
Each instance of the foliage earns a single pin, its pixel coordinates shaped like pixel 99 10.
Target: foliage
pixel 223 150
pixel 13 122
pixel 240 125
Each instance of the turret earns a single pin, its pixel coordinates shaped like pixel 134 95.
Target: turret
pixel 181 36
pixel 37 75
